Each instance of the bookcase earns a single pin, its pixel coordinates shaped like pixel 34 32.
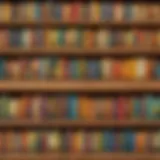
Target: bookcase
pixel 132 31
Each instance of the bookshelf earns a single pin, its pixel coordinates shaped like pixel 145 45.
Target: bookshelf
pixel 80 86
pixel 90 52
pixel 79 123
pixel 90 156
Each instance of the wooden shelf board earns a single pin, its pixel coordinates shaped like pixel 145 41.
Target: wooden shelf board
pixel 82 156
pixel 80 86
pixel 79 123
pixel 54 23
pixel 117 51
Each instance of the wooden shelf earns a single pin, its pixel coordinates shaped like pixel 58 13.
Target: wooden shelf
pixel 78 123
pixel 80 86
pixel 82 156
pixel 52 23
pixel 118 51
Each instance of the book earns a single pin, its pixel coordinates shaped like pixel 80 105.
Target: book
pixel 118 11
pixel 101 38
pixel 75 11
pixel 94 9
pixel 72 107
pixel 106 68
pixel 106 11
pixel 66 11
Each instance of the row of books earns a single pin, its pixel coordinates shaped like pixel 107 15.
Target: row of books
pixel 79 141
pixel 49 68
pixel 76 37
pixel 79 107
pixel 79 10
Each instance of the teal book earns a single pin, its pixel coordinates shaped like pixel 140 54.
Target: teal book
pixel 61 37
pixel 108 141
pixel 129 141
pixel 136 107
pixel 72 107
pixel 2 68
pixel 37 10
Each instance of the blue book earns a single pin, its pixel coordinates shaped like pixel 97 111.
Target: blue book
pixel 15 38
pixel 72 107
pixel 93 69
pixel 2 68
pixel 73 69
pixel 129 141
pixel 108 141
pixel 56 11
pixel 106 11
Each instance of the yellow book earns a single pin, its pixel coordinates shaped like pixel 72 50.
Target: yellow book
pixel 59 70
pixel 133 71
pixel 30 11
pixel 14 107
pixel 31 140
pixel 95 11
pixel 54 140
pixel 6 9
pixel 129 38
pixel 51 38
pixel 97 138
pixel 101 38
pixel 71 37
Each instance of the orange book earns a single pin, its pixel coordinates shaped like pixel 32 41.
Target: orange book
pixel 89 38
pixel 85 108
pixel 141 142
pixel 109 109
pixel 66 11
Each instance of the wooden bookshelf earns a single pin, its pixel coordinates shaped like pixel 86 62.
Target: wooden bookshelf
pixel 82 156
pixel 79 123
pixel 121 51
pixel 80 86
pixel 53 23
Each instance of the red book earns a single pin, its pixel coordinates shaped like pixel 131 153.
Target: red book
pixel 117 69
pixel 121 108
pixel 66 68
pixel 75 10
pixel 4 38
